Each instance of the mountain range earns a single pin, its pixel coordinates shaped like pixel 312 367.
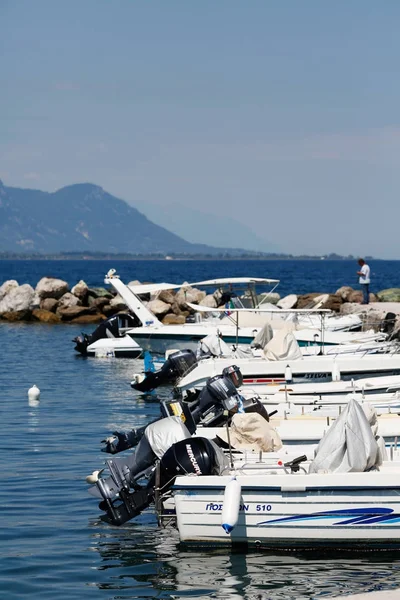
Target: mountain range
pixel 200 226
pixel 84 217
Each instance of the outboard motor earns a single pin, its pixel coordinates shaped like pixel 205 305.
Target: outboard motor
pixel 208 409
pixel 176 366
pixel 218 396
pixel 107 329
pixel 388 323
pixel 197 456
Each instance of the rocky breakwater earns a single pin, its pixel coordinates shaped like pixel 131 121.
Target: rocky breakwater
pixel 52 301
pixel 347 300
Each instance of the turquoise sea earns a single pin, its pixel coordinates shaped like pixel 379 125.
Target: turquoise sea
pixel 52 542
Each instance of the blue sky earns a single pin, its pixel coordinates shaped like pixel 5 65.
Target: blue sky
pixel 284 115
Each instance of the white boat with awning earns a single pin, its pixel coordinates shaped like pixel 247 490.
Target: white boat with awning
pixel 237 324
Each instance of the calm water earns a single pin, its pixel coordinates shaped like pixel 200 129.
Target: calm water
pixel 52 543
pixel 298 277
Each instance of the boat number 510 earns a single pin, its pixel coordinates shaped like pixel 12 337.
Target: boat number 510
pixel 263 507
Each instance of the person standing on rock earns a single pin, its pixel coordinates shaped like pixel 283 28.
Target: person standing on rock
pixel 364 280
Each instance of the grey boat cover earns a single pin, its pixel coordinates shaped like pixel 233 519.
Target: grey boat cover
pixel 213 345
pixel 349 445
pixel 283 346
pixel 162 434
pixel 264 336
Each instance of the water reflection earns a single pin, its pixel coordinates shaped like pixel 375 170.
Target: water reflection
pixel 141 554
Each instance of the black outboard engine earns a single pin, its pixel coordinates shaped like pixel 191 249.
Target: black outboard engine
pixel 107 329
pixel 176 366
pixel 235 374
pixel 218 396
pixel 388 323
pixel 208 409
pixel 198 456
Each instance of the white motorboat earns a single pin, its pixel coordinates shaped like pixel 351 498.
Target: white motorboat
pixel 109 340
pixel 236 325
pixel 282 509
pixel 153 335
pixel 347 496
pixel 266 376
pixel 123 347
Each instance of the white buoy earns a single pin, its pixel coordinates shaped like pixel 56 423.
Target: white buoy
pixel 231 506
pixel 335 372
pixel 93 478
pixel 138 378
pixel 34 393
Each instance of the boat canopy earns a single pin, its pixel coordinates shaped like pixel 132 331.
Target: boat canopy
pixel 260 309
pixel 149 288
pixel 158 287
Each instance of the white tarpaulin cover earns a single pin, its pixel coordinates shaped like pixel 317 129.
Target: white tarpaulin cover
pixel 162 434
pixel 349 445
pixel 264 336
pixel 283 346
pixel 213 345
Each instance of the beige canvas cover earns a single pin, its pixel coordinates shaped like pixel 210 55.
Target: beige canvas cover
pixel 251 431
pixel 283 346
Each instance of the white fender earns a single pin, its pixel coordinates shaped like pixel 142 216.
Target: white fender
pixel 288 374
pixel 231 506
pixel 335 372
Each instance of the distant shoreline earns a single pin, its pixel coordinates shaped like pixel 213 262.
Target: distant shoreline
pixel 111 257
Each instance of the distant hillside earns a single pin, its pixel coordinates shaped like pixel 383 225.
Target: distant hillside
pixel 83 217
pixel 198 225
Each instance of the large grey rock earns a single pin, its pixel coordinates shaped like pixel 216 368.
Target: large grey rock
pixel 68 300
pixel 118 303
pixel 271 298
pixel 389 295
pixel 158 308
pixel 357 296
pixel 287 302
pixel 209 301
pixel 100 292
pixel 80 290
pixel 177 310
pixel 189 294
pixel 100 303
pixel 49 304
pixel 49 287
pixel 72 312
pixel 18 299
pixel 333 302
pixel 7 286
pixel 167 296
pixel 380 307
pixel 35 302
pixel 344 292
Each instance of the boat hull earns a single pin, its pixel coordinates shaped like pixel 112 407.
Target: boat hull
pixel 265 376
pixel 294 512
